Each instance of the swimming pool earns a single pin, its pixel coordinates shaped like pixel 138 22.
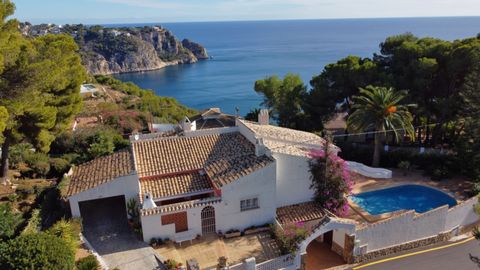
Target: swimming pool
pixel 405 197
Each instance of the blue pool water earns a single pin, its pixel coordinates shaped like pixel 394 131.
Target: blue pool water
pixel 405 197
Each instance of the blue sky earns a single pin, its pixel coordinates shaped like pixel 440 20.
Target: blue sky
pixel 123 11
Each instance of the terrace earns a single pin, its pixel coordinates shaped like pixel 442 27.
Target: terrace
pixel 457 187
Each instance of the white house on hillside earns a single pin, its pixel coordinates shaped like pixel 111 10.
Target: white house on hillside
pixel 212 180
pixel 205 181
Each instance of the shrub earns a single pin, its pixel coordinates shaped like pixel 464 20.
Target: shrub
pixel 404 166
pixel 63 230
pixel 38 162
pixel 18 152
pixel 222 262
pixel 290 236
pixel 12 197
pixel 475 189
pixel 34 223
pixel 59 166
pixel 330 180
pixel 171 264
pixel 87 263
pixel 36 251
pixel 8 221
pixel 153 242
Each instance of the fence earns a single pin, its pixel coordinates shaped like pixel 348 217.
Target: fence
pixel 273 264
pixel 277 263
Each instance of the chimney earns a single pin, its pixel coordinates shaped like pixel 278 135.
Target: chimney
pixel 148 202
pixel 187 125
pixel 260 149
pixel 263 117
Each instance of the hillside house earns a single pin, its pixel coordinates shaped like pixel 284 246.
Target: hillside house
pixel 207 180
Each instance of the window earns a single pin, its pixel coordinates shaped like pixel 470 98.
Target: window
pixel 249 204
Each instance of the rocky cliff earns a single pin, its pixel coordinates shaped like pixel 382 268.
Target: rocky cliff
pixel 118 50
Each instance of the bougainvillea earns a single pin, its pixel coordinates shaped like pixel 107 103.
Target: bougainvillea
pixel 291 235
pixel 331 181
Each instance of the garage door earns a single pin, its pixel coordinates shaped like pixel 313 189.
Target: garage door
pixel 104 215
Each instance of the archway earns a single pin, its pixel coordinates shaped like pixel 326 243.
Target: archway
pixel 332 230
pixel 324 252
pixel 208 220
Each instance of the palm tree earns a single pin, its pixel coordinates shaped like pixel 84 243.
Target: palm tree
pixel 378 108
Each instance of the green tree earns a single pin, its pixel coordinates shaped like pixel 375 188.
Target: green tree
pixel 434 71
pixel 41 91
pixel 101 145
pixel 468 144
pixel 8 221
pixel 252 115
pixel 36 251
pixel 284 97
pixel 379 109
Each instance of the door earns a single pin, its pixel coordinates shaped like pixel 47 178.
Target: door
pixel 208 220
pixel 328 238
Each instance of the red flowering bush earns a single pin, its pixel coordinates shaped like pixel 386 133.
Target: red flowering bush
pixel 290 236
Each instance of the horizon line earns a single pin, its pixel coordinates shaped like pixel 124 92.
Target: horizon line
pixel 240 20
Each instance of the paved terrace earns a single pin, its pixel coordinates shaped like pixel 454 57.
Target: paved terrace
pixel 456 187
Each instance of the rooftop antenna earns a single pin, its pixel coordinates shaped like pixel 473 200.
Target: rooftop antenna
pixel 237 112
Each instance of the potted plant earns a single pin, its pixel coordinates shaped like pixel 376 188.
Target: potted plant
pixel 153 242
pixel 257 229
pixel 222 263
pixel 232 233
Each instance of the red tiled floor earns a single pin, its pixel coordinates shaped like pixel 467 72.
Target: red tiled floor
pixel 320 256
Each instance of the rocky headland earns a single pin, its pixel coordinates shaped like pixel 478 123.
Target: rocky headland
pixel 126 49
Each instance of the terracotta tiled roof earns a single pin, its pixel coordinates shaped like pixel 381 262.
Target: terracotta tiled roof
pixel 160 187
pixel 100 171
pixel 299 212
pixel 180 206
pixel 224 157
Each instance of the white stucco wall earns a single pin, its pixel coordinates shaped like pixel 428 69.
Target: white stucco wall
pixel 339 237
pixel 246 132
pixel 462 214
pixel 402 229
pixel 152 225
pixel 260 184
pixel 125 185
pixel 152 228
pixel 293 179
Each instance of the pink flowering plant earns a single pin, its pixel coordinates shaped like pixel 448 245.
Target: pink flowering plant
pixel 290 236
pixel 330 180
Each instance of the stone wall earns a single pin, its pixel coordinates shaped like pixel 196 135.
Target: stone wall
pixel 406 246
pixel 337 249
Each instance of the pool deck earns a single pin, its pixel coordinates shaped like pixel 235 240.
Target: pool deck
pixel 456 187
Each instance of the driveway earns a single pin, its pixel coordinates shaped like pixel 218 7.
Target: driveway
pixel 105 227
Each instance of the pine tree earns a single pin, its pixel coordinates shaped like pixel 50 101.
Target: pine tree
pixel 468 145
pixel 39 86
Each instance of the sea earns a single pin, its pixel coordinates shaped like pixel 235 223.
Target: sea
pixel 243 52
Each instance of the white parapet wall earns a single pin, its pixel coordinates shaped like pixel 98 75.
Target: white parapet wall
pixel 462 214
pixel 401 229
pixel 410 226
pixel 367 171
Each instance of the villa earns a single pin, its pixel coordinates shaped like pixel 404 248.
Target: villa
pixel 231 177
